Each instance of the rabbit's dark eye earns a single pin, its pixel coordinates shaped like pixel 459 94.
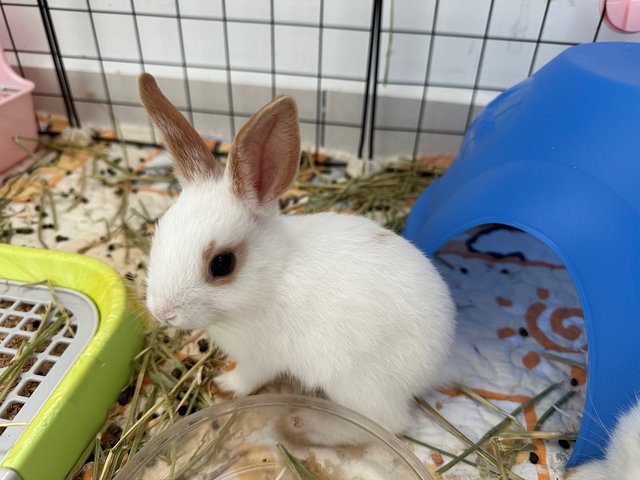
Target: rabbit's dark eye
pixel 222 265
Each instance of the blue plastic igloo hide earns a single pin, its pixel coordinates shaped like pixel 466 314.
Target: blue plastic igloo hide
pixel 558 156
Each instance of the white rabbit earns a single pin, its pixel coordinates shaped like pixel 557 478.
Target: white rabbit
pixel 622 458
pixel 336 301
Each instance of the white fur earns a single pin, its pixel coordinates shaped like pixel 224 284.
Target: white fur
pixel 622 460
pixel 334 300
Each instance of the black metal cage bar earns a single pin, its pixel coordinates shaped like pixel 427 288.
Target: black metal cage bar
pixel 330 90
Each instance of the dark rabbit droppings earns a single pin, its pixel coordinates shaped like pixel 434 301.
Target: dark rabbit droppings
pixel 188 363
pixel 523 332
pixel 564 444
pixel 61 238
pixel 183 410
pixel 126 395
pixel 203 345
pixel 176 373
pixel 464 270
pixel 504 271
pixel 110 436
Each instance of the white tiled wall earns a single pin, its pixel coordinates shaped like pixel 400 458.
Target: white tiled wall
pixel 26 27
pixel 497 52
pixel 202 32
pixel 200 52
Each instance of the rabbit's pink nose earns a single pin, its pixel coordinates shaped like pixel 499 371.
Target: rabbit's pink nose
pixel 165 313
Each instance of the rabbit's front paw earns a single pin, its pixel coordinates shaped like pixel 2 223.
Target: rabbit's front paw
pixel 232 381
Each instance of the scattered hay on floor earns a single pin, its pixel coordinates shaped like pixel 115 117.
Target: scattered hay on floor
pixel 173 375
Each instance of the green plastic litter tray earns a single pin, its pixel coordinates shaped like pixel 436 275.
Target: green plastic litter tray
pixel 67 386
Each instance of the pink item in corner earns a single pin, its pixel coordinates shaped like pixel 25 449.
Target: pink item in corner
pixel 17 115
pixel 624 14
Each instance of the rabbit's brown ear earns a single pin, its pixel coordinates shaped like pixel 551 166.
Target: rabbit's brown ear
pixel 193 160
pixel 264 158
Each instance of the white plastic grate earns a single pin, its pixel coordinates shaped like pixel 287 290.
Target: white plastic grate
pixel 21 312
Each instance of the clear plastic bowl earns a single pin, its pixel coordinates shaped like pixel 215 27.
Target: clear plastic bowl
pixel 263 437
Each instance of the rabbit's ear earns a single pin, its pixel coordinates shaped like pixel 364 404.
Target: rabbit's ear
pixel 264 158
pixel 193 160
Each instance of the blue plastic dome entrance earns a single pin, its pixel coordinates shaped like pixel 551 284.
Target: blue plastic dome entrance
pixel 558 156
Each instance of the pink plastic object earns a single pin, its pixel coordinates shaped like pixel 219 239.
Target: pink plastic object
pixel 624 14
pixel 17 115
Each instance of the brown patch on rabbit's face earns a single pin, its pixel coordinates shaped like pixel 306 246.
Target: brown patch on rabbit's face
pixel 212 251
